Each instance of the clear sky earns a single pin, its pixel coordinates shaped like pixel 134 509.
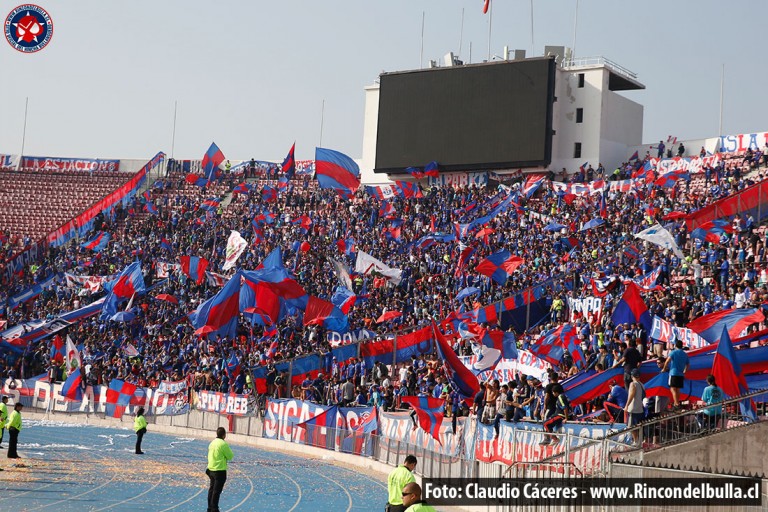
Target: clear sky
pixel 252 75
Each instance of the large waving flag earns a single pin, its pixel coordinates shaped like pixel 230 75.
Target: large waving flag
pixel 211 204
pixel 343 298
pixel 459 375
pixel 129 282
pixel 499 266
pixel 549 347
pixel 631 309
pixel 282 283
pixel 194 267
pixel 289 164
pixel 212 159
pixel 98 242
pixel 657 235
pixel 337 171
pixel 220 311
pixel 532 184
pixel 57 350
pixel 729 376
pixel 432 169
pixel 427 403
pixel 502 341
pixel 261 301
pixel 580 390
pixel 367 264
pixel 710 326
pixel 73 387
pixel 321 312
pixel 713 231
pixel 119 396
pixel 430 421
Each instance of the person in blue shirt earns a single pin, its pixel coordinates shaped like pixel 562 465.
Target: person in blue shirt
pixel 712 395
pixel 677 364
pixel 616 401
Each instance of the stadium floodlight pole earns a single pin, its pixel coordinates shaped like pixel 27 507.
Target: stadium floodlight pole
pixel 533 46
pixel 173 136
pixel 421 51
pixel 575 26
pixel 722 84
pixel 461 32
pixel 23 134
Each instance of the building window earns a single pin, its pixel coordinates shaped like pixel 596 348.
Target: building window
pixel 577 150
pixel 581 80
pixel 579 115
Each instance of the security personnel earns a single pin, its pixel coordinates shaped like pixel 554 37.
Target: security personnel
pixel 3 417
pixel 14 427
pixel 396 482
pixel 140 427
pixel 219 453
pixel 412 499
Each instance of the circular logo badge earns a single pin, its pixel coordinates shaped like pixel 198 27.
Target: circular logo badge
pixel 28 28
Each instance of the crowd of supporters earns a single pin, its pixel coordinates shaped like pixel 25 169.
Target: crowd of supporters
pixel 712 276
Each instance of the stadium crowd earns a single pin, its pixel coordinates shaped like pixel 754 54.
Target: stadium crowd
pixel 314 226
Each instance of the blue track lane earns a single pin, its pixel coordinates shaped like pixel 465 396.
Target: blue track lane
pixel 85 468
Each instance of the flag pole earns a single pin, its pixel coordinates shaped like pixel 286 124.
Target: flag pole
pixel 173 136
pixel 533 46
pixel 575 26
pixel 490 26
pixel 322 119
pixel 722 84
pixel 23 134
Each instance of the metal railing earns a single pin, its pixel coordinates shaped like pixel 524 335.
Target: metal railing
pixel 599 61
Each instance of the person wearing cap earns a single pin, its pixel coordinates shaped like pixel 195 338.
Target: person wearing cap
pixel 634 408
pixel 3 417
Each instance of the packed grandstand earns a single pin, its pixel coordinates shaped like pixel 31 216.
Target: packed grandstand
pixel 267 282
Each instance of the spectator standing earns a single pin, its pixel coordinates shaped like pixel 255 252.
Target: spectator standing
pixel 677 364
pixel 14 427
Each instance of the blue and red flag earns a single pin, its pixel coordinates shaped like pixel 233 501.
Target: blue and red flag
pixel 322 312
pixel 289 164
pixel 532 184
pixel 635 156
pixel 550 346
pixel 713 231
pixel 242 188
pixel 119 396
pixel 631 251
pixel 463 380
pixel 432 169
pixel 194 267
pixel 360 440
pixel 337 171
pixel 265 217
pixel 57 350
pixel 268 194
pixel 670 179
pixel 486 5
pixel 321 429
pixel 304 222
pixel 220 312
pixel 426 403
pixel 415 172
pixel 211 204
pixel 386 209
pixel 647 283
pixel 165 244
pixel 273 348
pixel 305 367
pixel 730 377
pixel 128 283
pixel 212 159
pixel 710 326
pixel 283 184
pixel 430 421
pixel 346 246
pixel 98 242
pixel 415 343
pixel 260 300
pixel 343 298
pixel 593 384
pixel 197 180
pixel 603 206
pixel 502 341
pixel 282 283
pixel 659 386
pixel 499 266
pixel 151 209
pixel 73 387
pixel 408 189
pixel 631 309
pixel 233 366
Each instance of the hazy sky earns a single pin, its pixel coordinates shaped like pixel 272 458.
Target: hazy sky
pixel 252 75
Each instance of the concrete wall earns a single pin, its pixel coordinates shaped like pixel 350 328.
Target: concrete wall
pixel 739 450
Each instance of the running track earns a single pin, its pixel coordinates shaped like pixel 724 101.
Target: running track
pixel 69 467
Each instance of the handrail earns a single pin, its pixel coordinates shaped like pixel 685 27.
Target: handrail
pixel 600 61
